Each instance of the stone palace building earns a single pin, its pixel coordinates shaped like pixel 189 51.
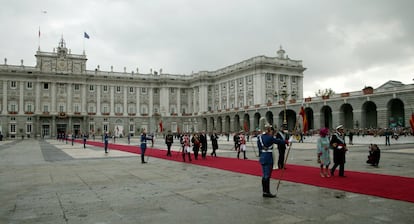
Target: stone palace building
pixel 59 95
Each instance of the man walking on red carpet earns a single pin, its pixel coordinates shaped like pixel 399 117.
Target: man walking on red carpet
pixel 265 144
pixel 339 150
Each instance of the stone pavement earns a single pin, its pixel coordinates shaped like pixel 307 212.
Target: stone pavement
pixel 46 181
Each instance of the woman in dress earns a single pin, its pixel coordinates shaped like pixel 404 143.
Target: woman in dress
pixel 323 152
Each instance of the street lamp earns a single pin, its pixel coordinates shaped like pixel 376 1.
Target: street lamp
pixel 284 95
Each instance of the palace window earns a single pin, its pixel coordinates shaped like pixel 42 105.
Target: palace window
pixel 13 128
pixel 13 84
pixel 28 128
pixel 29 85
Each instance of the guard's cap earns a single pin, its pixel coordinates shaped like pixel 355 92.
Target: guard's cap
pixel 340 127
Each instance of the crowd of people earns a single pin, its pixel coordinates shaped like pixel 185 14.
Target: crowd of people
pixel 270 144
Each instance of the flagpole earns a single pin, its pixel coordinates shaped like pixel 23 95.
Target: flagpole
pixel 286 158
pixel 38 39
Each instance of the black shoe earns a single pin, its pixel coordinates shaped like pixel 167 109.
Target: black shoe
pixel 332 173
pixel 268 195
pixel 144 162
pixel 342 176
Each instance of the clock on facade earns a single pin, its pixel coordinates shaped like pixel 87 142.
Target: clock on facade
pixel 61 64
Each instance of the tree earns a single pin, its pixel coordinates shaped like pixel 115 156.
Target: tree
pixel 325 92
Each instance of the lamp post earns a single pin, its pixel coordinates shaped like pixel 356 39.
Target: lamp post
pixel 283 95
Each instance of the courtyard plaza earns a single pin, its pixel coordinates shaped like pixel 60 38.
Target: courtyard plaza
pixel 50 181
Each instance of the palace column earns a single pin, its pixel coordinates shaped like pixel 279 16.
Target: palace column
pixel 111 110
pixel 125 101
pixel 21 98
pixel 98 99
pixel 5 109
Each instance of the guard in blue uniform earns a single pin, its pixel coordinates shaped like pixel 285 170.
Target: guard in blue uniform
pixel 144 139
pixel 106 140
pixel 265 145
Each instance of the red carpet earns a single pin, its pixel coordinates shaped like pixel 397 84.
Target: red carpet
pixel 386 186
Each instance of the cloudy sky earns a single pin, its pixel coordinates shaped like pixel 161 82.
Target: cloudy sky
pixel 345 45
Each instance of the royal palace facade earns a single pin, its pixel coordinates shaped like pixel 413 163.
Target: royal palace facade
pixel 59 95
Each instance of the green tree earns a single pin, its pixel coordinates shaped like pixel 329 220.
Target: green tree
pixel 324 92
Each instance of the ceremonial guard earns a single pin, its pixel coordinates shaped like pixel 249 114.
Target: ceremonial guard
pixel 106 139
pixel 265 144
pixel 144 139
pixel 338 145
pixel 169 140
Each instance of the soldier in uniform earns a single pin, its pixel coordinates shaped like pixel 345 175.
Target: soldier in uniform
pixel 144 139
pixel 338 145
pixel 265 145
pixel 106 139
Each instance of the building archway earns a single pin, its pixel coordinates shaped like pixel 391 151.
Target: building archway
pixel 212 124
pixel 326 117
pixel 246 122
pixel 236 126
pixel 269 117
pixel 346 116
pixel 395 113
pixel 309 118
pixel 227 124
pixel 256 121
pixel 220 125
pixel 369 115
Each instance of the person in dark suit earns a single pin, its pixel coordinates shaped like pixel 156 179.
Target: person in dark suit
pixel 203 141
pixel 169 140
pixel 338 145
pixel 281 147
pixel 214 143
pixel 374 155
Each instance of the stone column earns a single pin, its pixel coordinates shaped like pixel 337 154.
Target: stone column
pixel 83 99
pixel 21 98
pixel 151 102
pixel 138 112
pixel 53 100
pixel 125 101
pixel 5 109
pixel 112 109
pixel 38 110
pixel 69 98
pixel 98 99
